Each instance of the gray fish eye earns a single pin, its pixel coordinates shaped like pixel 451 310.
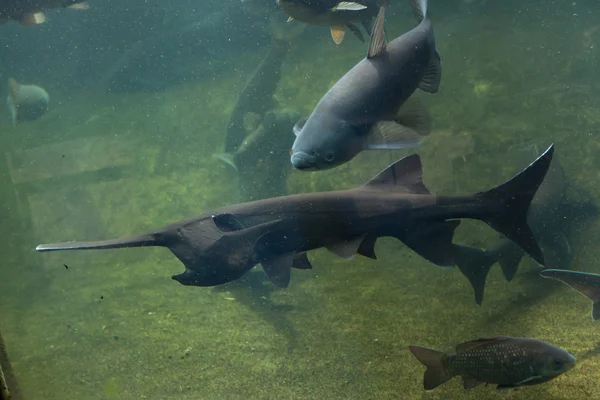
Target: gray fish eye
pixel 329 156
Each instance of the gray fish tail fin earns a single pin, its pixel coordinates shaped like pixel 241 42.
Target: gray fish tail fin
pixel 436 372
pixel 510 202
pixel 419 8
pixel 131 241
pixel 475 265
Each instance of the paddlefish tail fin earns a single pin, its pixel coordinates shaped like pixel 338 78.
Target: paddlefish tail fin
pixel 509 203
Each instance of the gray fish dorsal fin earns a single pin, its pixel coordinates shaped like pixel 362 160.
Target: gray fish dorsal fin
pixel 405 175
pixel 278 269
pixel 585 283
pixel 378 43
pixel 470 345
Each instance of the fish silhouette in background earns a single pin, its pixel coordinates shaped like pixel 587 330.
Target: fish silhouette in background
pixel 30 12
pixel 220 246
pixel 552 216
pixel 333 13
pixel 366 108
pixel 257 95
pixel 584 282
pixel 508 362
pixel 26 102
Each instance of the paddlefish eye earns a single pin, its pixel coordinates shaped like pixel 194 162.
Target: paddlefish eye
pixel 330 156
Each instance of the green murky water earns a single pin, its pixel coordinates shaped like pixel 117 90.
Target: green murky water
pixel 113 325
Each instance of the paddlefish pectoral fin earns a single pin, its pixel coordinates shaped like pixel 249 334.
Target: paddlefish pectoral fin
pixel 436 372
pixel 509 203
pixel 278 269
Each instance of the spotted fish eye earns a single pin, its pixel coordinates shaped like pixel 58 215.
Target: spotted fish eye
pixel 329 157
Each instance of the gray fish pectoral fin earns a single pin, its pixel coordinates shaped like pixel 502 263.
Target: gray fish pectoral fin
pixel 337 33
pixel 378 43
pixel 347 249
pixel 415 115
pixel 278 269
pixel 470 383
pixel 299 125
pixel 391 135
pixel 433 75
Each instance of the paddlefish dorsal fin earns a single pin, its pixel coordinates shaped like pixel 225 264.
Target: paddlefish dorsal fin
pixel 405 175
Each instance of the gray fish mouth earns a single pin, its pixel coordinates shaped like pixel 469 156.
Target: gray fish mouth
pixel 303 161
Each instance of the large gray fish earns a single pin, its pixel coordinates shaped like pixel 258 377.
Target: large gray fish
pixel 506 361
pixel 361 110
pixel 26 102
pixel 223 245
pixel 584 282
pixel 30 12
pixel 551 217
pixel 333 13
